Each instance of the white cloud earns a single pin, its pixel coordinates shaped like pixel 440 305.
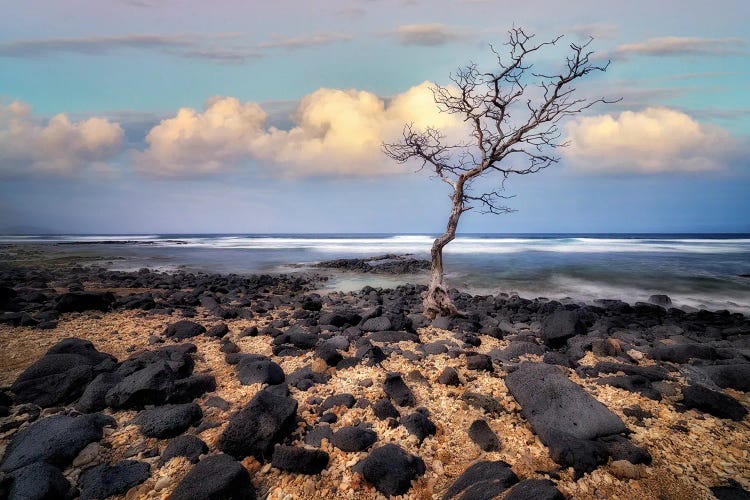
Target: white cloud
pixel 655 140
pixel 335 132
pixel 57 147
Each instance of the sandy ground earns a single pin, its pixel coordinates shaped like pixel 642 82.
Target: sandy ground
pixel 684 464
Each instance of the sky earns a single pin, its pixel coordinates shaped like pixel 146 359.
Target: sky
pixel 183 116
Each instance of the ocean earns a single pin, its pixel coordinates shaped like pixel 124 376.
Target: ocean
pixel 698 271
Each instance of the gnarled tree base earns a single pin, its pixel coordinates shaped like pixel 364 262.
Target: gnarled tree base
pixel 437 302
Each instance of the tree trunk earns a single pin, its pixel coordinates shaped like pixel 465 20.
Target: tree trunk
pixel 436 301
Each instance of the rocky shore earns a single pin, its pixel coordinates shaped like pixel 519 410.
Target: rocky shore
pixel 198 386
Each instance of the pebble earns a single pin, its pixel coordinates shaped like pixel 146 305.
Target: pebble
pixel 622 469
pixel 86 455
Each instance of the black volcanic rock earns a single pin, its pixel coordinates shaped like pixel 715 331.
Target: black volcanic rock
pixel 184 329
pixel 299 460
pixel 169 420
pixel 213 478
pixel 85 301
pixel 253 430
pixel 484 437
pixel 713 402
pixel 391 469
pixel 396 389
pixel 104 481
pixel 55 440
pixel 482 480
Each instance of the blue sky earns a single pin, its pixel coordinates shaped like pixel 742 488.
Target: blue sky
pixel 284 105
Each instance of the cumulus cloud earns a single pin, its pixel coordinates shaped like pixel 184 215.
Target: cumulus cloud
pixel 655 140
pixel 427 34
pixel 334 132
pixel 681 46
pixel 60 146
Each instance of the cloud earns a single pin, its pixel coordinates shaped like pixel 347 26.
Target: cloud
pixel 334 133
pixel 600 31
pixel 188 46
pixel 653 141
pixel 682 46
pixel 314 40
pixel 427 34
pixel 28 146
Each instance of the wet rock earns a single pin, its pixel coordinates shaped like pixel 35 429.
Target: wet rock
pixel 56 440
pixel 168 421
pixel 253 430
pixel 188 446
pixel 104 481
pixel 391 469
pixel 484 437
pixel 713 402
pixel 534 489
pixel 482 480
pixel 660 300
pixel 215 477
pixel 396 389
pixel 299 460
pixel 184 329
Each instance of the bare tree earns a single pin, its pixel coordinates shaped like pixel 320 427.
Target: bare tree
pixel 513 114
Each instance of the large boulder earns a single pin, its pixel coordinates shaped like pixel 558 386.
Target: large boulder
pixel 62 374
pixel 148 386
pixel 391 469
pixel 560 326
pixel 55 440
pixel 184 329
pixel 353 438
pixel 214 478
pixel 168 421
pixel 713 402
pixel 735 376
pixel 37 481
pixel 104 480
pixel 550 400
pixel 534 489
pixel 253 430
pixel 259 371
pixel 567 419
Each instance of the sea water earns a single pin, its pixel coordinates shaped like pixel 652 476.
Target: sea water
pixel 694 270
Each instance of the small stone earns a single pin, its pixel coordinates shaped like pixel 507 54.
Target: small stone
pixel 483 436
pixel 622 469
pixel 449 376
pixel 86 455
pixel 319 366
